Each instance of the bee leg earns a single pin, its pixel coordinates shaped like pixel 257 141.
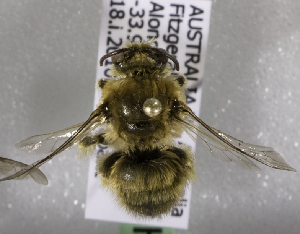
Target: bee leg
pixel 186 157
pixel 181 80
pixel 101 83
pixel 87 145
pixel 105 167
pixel 101 139
pixel 94 140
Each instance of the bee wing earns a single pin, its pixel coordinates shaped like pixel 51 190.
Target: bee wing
pixel 9 167
pixel 96 119
pixel 47 143
pixel 228 148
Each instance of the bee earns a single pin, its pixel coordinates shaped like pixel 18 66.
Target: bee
pixel 141 113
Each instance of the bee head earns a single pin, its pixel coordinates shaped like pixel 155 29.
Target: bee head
pixel 139 57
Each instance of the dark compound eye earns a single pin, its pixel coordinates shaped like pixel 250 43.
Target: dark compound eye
pixel 158 55
pixel 117 59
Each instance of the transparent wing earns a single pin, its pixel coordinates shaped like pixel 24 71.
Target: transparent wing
pixel 227 148
pixel 96 119
pixel 9 167
pixel 47 143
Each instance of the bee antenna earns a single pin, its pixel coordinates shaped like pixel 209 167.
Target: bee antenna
pixel 112 54
pixel 175 61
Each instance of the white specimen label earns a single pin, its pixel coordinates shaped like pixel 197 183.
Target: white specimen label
pixel 181 27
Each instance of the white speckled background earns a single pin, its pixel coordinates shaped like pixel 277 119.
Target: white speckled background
pixel 48 53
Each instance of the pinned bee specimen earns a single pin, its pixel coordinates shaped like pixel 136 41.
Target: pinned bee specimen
pixel 140 115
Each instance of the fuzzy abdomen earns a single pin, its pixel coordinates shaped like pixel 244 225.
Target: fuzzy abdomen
pixel 148 183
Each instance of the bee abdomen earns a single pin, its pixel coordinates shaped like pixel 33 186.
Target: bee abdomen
pixel 152 203
pixel 148 183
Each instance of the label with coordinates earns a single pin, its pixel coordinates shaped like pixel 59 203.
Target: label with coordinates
pixel 181 28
